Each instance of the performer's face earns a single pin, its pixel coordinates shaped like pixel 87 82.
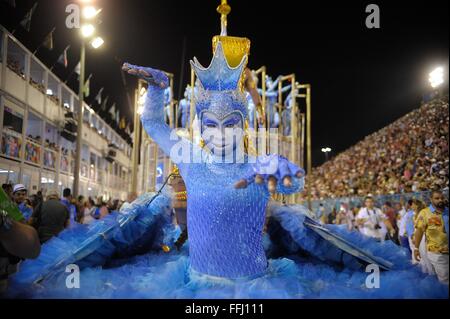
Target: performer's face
pixel 222 136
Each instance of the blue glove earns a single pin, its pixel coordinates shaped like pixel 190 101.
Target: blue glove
pixel 274 170
pixel 152 76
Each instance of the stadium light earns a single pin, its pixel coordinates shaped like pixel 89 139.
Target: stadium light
pixel 326 150
pixel 90 12
pixel 87 30
pixel 436 77
pixel 97 42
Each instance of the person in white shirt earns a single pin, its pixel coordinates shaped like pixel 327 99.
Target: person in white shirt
pixel 402 217
pixel 89 211
pixel 350 219
pixel 372 221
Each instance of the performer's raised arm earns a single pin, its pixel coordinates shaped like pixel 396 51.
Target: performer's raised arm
pixel 153 119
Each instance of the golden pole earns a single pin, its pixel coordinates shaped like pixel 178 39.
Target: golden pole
pixel 309 141
pixel 302 143
pixel 137 130
pixel 293 122
pixel 307 96
pixel 191 120
pixel 280 132
pixel 264 97
pixel 144 160
pixel 261 145
pixel 224 9
pixel 268 126
pixel 171 112
pixel 156 150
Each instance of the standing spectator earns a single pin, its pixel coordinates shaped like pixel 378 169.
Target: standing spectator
pixel 20 197
pixel 17 241
pixel 101 209
pixel 51 217
pixel 8 188
pixel 89 211
pixel 320 212
pixel 67 201
pixel 34 201
pixel 426 266
pixel 402 216
pixel 80 204
pixel 409 220
pixel 113 205
pixel 355 212
pixel 390 213
pixel 332 216
pixel 372 222
pixel 40 196
pixel 433 222
pixel 349 216
pixel 341 217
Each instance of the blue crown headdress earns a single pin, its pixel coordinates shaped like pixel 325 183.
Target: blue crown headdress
pixel 219 90
pixel 219 76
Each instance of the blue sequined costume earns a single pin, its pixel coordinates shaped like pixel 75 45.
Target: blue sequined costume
pixel 225 256
pixel 225 224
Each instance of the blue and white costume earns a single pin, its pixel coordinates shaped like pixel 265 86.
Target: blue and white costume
pixel 226 254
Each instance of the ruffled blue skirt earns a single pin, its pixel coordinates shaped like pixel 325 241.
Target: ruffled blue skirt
pixel 169 276
pixel 302 264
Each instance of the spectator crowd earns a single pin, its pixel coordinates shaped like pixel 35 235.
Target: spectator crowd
pixel 410 155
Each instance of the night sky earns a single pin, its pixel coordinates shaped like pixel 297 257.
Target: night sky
pixel 362 79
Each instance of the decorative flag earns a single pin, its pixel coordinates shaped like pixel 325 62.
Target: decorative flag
pixel 48 42
pixel 26 22
pixel 128 128
pixel 117 117
pixel 123 123
pixel 98 98
pixel 63 57
pixel 105 102
pixel 87 86
pixel 112 111
pixel 78 69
